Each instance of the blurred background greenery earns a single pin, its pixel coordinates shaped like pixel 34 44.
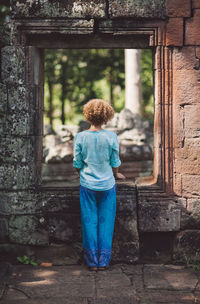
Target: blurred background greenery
pixel 4 10
pixel 72 77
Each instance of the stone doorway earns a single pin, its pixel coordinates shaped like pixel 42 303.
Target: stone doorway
pixel 61 225
pixel 135 37
pixel 60 220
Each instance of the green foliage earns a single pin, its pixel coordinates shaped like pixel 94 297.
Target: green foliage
pixel 192 262
pixel 72 77
pixel 4 10
pixel 147 84
pixel 27 260
pixel 79 75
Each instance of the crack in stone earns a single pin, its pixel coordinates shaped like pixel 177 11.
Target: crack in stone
pixel 20 290
pixel 87 301
pixel 143 276
pixel 198 281
pixel 183 125
pixel 4 291
pixel 127 275
pixel 95 286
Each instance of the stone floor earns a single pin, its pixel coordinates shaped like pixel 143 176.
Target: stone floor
pixel 128 284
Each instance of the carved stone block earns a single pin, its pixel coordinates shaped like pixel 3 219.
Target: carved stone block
pixel 190 185
pixel 158 216
pixel 20 202
pixel 190 218
pixel 28 229
pixel 191 29
pixel 3 98
pixel 16 176
pixel 20 98
pixel 52 9
pixel 20 123
pixel 64 227
pixel 178 8
pixel 137 8
pixel 174 32
pixel 13 65
pixel 17 149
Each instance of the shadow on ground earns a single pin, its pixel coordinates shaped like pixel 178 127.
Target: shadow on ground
pixel 129 284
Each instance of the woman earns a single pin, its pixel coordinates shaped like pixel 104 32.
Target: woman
pixel 96 158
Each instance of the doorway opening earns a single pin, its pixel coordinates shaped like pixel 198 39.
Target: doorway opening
pixel 124 78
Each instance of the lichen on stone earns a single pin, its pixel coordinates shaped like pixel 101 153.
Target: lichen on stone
pixel 137 8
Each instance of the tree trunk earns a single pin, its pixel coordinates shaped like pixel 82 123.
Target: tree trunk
pixel 133 81
pixel 111 78
pixel 50 111
pixel 63 102
pixel 111 89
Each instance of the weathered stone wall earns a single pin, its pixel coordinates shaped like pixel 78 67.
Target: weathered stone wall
pixel 186 125
pixel 93 9
pixel 167 202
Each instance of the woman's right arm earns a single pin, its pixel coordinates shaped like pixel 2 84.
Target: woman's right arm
pixel 117 174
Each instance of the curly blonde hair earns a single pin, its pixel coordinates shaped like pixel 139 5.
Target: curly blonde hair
pixel 98 112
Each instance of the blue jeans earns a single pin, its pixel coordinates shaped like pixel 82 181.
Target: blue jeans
pixel 98 210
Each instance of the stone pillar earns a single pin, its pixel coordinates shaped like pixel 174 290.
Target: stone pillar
pixel 19 220
pixel 133 95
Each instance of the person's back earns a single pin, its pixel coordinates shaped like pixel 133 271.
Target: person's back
pixel 99 153
pixel 96 157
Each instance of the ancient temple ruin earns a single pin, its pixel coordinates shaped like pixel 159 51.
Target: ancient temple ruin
pixel 164 205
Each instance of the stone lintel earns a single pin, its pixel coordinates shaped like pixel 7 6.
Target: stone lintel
pixel 60 26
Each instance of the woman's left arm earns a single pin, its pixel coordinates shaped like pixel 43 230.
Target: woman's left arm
pixel 115 161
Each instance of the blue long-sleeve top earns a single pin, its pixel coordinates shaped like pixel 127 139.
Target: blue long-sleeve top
pixel 95 153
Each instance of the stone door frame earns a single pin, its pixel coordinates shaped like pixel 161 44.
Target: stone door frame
pixel 37 35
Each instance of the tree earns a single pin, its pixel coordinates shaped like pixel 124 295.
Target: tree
pixel 4 10
pixel 81 74
pixel 50 64
pixel 78 73
pixel 147 84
